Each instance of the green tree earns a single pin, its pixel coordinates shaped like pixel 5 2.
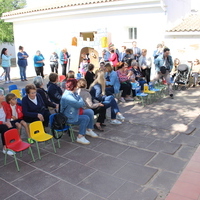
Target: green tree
pixel 6 28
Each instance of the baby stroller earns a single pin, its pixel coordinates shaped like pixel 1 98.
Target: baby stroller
pixel 181 80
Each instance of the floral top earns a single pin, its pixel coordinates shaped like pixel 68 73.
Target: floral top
pixel 122 76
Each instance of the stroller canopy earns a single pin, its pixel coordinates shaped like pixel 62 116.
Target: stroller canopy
pixel 183 67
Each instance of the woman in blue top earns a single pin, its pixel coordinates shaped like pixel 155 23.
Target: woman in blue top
pixel 6 64
pixel 22 62
pixel 70 105
pixel 112 80
pixel 39 63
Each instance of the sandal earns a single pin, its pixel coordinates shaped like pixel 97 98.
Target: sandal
pixel 103 124
pixel 98 128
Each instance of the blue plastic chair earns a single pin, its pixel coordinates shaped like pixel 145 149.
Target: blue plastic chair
pixel 140 94
pixel 12 87
pixel 23 92
pixel 67 127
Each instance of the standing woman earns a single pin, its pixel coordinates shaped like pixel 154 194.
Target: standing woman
pixel 39 64
pixel 113 59
pixel 54 62
pixel 6 64
pixel 145 65
pixel 22 62
pixel 64 60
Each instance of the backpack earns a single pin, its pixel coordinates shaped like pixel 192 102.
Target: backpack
pixel 58 123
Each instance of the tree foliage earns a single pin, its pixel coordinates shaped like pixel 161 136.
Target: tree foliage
pixel 6 28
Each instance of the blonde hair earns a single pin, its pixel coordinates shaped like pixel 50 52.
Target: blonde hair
pixel 100 79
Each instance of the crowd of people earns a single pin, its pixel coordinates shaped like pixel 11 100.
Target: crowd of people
pixel 80 97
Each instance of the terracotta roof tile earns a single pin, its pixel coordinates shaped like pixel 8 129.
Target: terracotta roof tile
pixel 61 4
pixel 189 24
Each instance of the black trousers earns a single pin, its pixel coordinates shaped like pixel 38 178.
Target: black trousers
pixel 39 71
pixel 126 89
pixel 3 129
pixel 64 67
pixel 45 114
pixel 147 73
pixel 54 66
pixel 102 114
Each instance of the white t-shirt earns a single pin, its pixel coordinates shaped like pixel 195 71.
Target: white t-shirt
pixel 2 115
pixel 14 112
pixel 34 100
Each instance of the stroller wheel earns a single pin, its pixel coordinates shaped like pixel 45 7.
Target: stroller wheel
pixel 183 87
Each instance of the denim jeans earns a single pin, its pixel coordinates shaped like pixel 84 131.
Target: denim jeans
pixel 22 71
pixel 83 121
pixel 109 101
pixel 7 71
pixel 90 114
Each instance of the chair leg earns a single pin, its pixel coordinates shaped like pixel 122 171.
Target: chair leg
pixel 16 162
pixel 58 140
pixel 30 149
pixel 72 134
pixel 20 154
pixel 38 149
pixel 5 158
pixel 53 145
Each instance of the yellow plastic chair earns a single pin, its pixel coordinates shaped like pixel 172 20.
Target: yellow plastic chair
pixel 17 93
pixel 37 134
pixel 147 91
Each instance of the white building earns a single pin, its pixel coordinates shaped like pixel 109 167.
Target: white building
pixel 52 27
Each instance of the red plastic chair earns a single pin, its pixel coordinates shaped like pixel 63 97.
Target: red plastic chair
pixel 14 143
pixel 61 78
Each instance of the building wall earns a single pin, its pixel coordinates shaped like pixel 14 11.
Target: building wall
pixel 53 34
pixel 185 47
pixel 176 10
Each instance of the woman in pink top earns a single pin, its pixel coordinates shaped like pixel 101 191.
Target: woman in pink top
pixel 125 85
pixel 113 58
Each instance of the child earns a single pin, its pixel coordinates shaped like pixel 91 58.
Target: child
pixel 14 113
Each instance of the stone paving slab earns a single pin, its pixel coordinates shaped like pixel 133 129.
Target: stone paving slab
pixel 140 159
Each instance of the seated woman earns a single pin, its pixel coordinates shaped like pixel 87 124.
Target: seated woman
pixel 125 85
pixel 175 68
pixel 138 74
pixel 5 124
pixel 33 106
pixel 70 105
pixel 98 108
pixel 97 91
pixel 195 71
pixel 112 80
pixel 39 83
pixel 89 76
pixel 53 90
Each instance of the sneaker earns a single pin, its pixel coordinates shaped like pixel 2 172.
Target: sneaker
pixel 129 99
pixel 2 78
pixel 115 121
pixel 91 133
pixel 10 153
pixel 11 82
pixel 120 116
pixel 7 82
pixel 122 100
pixel 82 140
pixel 172 96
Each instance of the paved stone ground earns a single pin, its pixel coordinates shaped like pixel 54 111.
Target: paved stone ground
pixel 138 160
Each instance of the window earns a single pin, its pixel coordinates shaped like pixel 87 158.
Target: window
pixel 132 33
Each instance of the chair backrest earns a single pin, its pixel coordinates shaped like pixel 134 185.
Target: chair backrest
pixel 134 85
pixel 150 86
pixel 61 78
pixel 146 88
pixel 23 92
pixel 11 137
pixel 12 87
pixel 138 89
pixel 17 93
pixel 36 128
